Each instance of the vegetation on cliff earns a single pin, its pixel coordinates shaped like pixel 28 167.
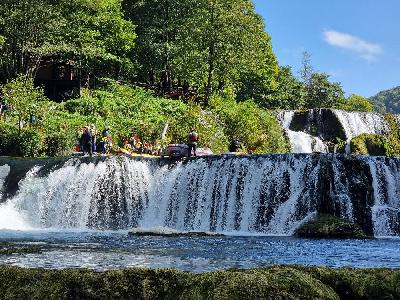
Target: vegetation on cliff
pixel 278 282
pixel 387 101
pixel 330 227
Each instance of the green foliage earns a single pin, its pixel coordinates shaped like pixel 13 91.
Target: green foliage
pixel 248 123
pixel 23 98
pixel 29 143
pixel 320 93
pixel 206 43
pixel 357 103
pixel 394 135
pixel 370 144
pixel 90 34
pixel 286 94
pixel 7 139
pixel 59 143
pixel 277 282
pixel 24 143
pixel 387 101
pixel 129 110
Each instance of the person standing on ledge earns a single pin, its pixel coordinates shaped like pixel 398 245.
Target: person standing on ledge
pixel 193 137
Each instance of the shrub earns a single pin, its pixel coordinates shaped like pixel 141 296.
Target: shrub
pixel 59 143
pixel 8 134
pixel 257 128
pixel 29 143
pixel 370 144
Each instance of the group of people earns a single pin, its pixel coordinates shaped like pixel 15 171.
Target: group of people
pixel 89 143
pixel 135 145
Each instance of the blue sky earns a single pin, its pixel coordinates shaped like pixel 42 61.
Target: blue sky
pixel 356 42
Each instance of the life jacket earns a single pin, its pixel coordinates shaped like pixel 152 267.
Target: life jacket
pixel 193 137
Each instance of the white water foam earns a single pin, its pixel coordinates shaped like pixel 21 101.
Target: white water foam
pixel 250 196
pixel 386 185
pixel 357 123
pixel 11 216
pixel 300 142
pixel 222 195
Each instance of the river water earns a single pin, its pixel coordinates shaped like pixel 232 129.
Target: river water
pixel 99 250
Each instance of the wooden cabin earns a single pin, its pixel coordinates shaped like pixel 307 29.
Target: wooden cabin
pixel 59 80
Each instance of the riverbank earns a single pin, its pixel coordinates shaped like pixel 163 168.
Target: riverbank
pixel 276 282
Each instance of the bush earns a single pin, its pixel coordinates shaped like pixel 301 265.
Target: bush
pixel 59 144
pixel 255 127
pixel 8 134
pixel 26 143
pixel 370 144
pixel 130 110
pixel 29 143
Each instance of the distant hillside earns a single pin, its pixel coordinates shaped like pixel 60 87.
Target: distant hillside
pixel 387 101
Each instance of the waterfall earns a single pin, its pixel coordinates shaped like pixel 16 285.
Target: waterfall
pixel 300 141
pixel 4 171
pixel 316 128
pixel 10 215
pixel 270 194
pixel 356 123
pixel 386 185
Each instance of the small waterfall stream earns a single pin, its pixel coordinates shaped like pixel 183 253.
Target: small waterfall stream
pixel 270 194
pixel 300 141
pixel 316 128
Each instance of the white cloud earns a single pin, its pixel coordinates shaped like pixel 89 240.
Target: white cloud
pixel 366 50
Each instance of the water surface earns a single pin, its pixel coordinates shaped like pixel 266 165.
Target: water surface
pixel 114 250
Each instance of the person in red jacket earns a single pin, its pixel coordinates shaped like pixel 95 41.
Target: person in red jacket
pixel 193 137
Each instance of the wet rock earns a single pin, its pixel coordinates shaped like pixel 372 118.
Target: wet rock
pixel 329 227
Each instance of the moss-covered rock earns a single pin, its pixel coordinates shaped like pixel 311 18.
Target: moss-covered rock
pixel 329 227
pixel 277 282
pixel 370 144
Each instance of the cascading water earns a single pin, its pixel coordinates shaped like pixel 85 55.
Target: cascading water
pixel 316 128
pixel 386 185
pixel 250 195
pixel 300 142
pixel 4 171
pixel 356 123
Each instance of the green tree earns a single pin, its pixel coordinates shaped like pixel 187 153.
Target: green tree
pixel 232 46
pixel 357 103
pixel 208 43
pixel 287 93
pixel 23 98
pixel 321 93
pixel 160 24
pixel 387 101
pixel 88 33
